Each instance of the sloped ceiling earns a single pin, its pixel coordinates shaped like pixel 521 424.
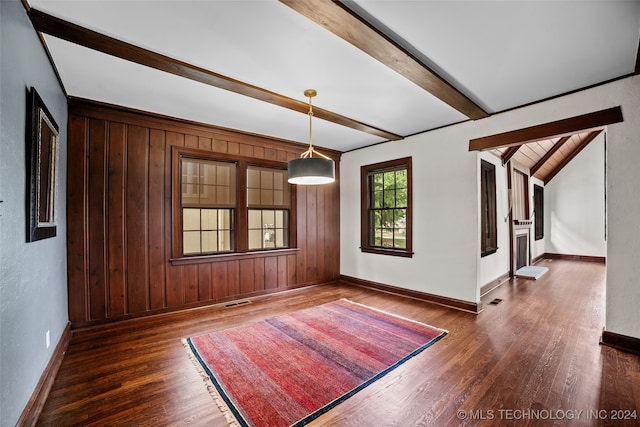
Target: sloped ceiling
pixel 546 158
pixel 458 59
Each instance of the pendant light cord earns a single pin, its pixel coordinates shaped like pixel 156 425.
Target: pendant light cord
pixel 311 151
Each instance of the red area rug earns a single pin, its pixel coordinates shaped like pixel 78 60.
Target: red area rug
pixel 289 370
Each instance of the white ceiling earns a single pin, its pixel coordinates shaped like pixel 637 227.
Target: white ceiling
pixel 501 54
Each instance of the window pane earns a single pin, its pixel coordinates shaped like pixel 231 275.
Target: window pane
pixel 191 242
pixel 266 179
pixel 209 241
pixel 208 183
pixel 255 219
pixel 278 198
pixel 401 178
pixel 378 182
pixel 399 238
pixel 280 238
pixel 266 197
pixel 253 196
pixel 224 241
pixel 255 239
pixel 224 218
pixel 400 216
pixel 191 219
pixel 209 219
pixel 253 178
pixel 401 198
pixel 268 217
pixel 280 219
pixel 267 187
pixel 378 199
pixel 279 180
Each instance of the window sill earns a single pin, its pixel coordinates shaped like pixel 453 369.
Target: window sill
pixel 392 252
pixel 237 256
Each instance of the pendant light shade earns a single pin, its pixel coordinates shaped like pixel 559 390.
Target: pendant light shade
pixel 309 170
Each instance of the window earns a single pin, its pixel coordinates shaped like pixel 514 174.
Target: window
pixel 488 226
pixel 225 205
pixel 208 202
pixel 386 208
pixel 268 204
pixel 538 209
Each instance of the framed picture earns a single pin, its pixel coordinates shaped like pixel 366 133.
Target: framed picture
pixel 42 169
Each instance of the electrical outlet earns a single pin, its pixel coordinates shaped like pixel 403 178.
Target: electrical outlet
pixel 47 339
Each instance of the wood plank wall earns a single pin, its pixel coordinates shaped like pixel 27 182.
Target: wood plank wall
pixel 119 221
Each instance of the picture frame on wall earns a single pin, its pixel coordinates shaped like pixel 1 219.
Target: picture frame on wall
pixel 42 169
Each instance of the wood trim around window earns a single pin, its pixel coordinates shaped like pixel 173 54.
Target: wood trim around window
pixel 240 221
pixel 489 242
pixel 364 208
pixel 538 211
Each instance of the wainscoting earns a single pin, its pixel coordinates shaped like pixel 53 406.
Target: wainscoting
pixel 120 225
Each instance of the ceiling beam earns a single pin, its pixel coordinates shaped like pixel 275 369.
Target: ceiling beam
pixel 352 28
pixel 73 33
pixel 548 154
pixel 509 153
pixel 572 155
pixel 559 128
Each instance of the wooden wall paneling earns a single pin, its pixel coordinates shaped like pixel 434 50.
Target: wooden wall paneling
pixel 190 277
pixel 258 266
pixel 77 221
pixel 292 264
pixel 204 143
pixel 246 150
pixel 204 282
pixel 312 233
pixel 97 224
pixel 116 220
pixel 247 279
pixel 270 273
pixel 233 278
pixel 137 218
pixel 233 147
pixel 220 282
pixel 282 271
pixel 322 230
pixel 173 287
pixel 332 236
pixel 190 141
pixel 219 145
pixel 157 156
pixel 301 233
pixel 270 154
pixel 121 201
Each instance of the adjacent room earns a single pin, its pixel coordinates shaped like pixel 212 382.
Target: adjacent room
pixel 319 212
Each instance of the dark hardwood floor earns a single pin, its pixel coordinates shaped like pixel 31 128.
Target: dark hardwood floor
pixel 533 359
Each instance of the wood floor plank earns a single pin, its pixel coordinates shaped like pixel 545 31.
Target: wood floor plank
pixel 537 350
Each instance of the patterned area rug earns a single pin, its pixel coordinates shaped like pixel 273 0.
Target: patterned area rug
pixel 289 370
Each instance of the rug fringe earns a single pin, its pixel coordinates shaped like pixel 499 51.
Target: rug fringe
pixel 220 403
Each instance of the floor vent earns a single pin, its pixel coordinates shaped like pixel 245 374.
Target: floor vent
pixel 495 301
pixel 237 303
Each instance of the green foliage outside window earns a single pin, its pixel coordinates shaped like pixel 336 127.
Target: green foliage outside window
pixel 388 208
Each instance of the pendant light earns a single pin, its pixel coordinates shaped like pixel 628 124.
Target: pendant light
pixel 310 170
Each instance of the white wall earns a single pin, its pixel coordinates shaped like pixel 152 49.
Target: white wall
pixel 33 276
pixel 574 205
pixel 445 215
pixel 446 201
